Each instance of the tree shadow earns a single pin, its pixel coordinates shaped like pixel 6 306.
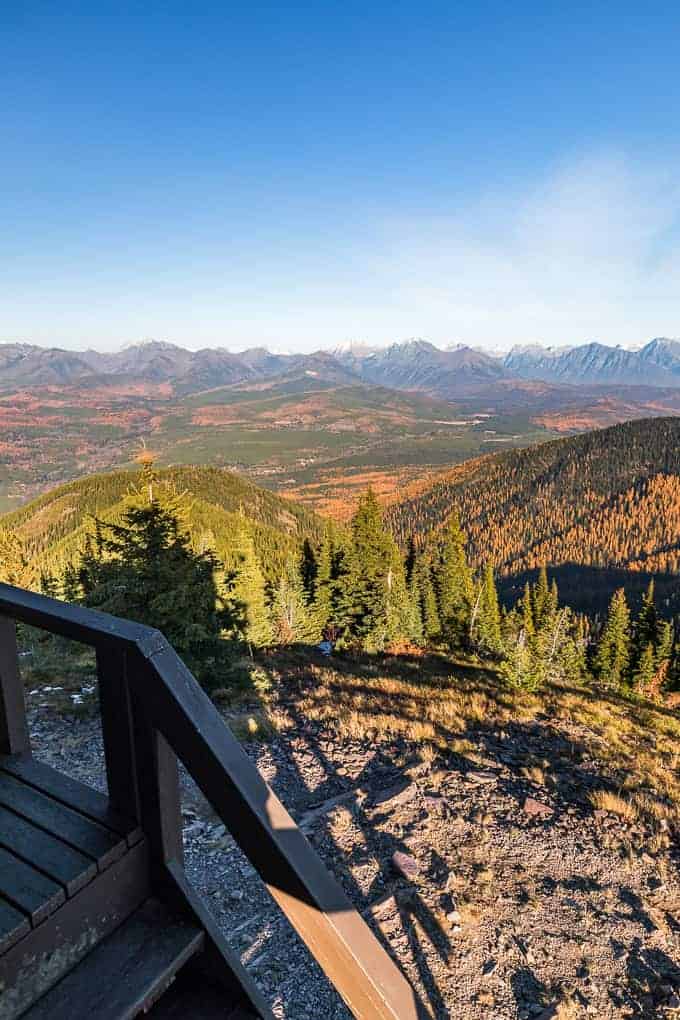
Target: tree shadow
pixel 528 988
pixel 423 930
pixel 649 973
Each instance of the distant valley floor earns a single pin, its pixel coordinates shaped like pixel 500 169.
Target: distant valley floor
pixel 317 441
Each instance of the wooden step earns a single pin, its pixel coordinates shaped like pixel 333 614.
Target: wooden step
pixel 126 972
pixel 191 996
pixel 59 935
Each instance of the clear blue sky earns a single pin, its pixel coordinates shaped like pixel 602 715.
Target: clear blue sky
pixel 302 174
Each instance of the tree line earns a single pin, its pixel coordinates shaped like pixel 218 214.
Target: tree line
pixel 352 587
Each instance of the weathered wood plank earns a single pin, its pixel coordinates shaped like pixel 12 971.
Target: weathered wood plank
pixel 37 962
pixel 13 925
pixel 62 863
pixel 126 973
pixel 14 737
pixel 118 729
pixel 28 889
pixel 157 778
pixel 70 827
pixel 81 798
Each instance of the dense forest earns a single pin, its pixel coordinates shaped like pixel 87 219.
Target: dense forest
pixel 607 500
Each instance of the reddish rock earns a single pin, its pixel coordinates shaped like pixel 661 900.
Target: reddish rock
pixel 536 809
pixel 405 865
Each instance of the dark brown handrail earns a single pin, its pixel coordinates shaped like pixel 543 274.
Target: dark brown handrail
pixel 168 705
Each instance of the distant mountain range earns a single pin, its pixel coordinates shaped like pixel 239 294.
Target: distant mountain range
pixel 656 364
pixel 413 364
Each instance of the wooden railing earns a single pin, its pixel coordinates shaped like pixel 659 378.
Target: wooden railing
pixel 153 712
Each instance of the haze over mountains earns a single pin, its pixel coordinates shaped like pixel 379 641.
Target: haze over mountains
pixel 412 364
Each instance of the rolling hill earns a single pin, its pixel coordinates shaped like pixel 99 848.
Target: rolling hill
pixel 600 507
pixel 53 526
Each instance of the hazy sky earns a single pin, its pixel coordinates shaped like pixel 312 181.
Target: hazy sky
pixel 301 174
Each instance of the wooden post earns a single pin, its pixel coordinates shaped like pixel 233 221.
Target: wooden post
pixel 117 731
pixel 13 729
pixel 160 811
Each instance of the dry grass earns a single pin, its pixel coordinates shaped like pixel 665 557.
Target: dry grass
pixel 607 800
pixel 436 707
pixel 535 774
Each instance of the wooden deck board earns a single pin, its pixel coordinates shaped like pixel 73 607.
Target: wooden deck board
pixel 48 853
pixel 69 826
pixel 28 889
pixel 87 801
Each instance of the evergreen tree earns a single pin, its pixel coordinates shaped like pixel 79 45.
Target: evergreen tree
pixel 246 593
pixel 453 584
pixel 374 601
pixel 410 561
pixel 518 666
pixel 402 622
pixel 646 630
pixel 144 569
pixel 664 645
pixel 545 601
pixel 645 670
pixel 308 569
pixel 612 658
pixel 487 625
pixel 290 613
pixel 528 613
pixel 415 608
pixel 325 613
pixel 540 596
pixel 423 595
pixel 673 674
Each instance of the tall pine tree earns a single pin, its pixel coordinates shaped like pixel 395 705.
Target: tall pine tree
pixel 646 631
pixel 246 593
pixel 487 622
pixel 424 598
pixel 290 613
pixel 612 658
pixel 374 600
pixel 453 584
pixel 325 609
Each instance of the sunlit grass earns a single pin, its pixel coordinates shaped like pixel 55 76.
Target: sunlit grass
pixel 439 707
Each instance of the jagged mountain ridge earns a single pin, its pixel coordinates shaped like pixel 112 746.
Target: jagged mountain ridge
pixel 414 364
pixel 655 364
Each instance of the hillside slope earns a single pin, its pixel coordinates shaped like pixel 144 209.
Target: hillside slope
pixel 605 500
pixel 53 526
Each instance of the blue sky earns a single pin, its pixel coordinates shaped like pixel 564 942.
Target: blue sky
pixel 300 175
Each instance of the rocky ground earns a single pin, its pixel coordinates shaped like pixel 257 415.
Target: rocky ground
pixel 496 886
